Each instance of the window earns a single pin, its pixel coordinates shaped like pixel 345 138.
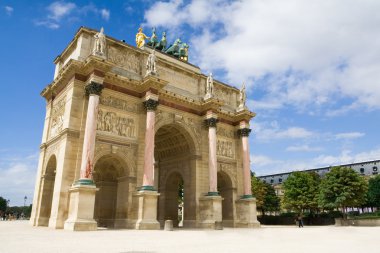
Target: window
pixel 271 181
pixel 362 170
pixel 280 180
pixel 374 168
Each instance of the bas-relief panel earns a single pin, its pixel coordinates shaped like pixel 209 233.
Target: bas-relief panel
pixel 116 124
pixel 124 58
pixel 178 79
pixel 225 148
pixel 56 120
pixel 119 104
pixel 225 95
pixel 228 133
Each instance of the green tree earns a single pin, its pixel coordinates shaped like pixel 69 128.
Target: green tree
pixel 3 204
pixel 301 191
pixel 342 187
pixel 373 196
pixel 271 200
pixel 258 190
pixel 266 198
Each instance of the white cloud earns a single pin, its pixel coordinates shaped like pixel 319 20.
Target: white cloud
pixel 350 135
pixel 9 10
pixel 310 55
pixel 303 148
pixel 18 178
pixel 105 14
pixel 59 11
pixel 271 131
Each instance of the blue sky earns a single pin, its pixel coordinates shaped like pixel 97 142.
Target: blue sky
pixel 312 71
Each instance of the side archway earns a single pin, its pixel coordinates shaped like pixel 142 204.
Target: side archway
pixel 48 180
pixel 111 176
pixel 225 189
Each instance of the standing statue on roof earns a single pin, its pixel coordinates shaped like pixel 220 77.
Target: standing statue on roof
pixel 242 97
pixel 209 86
pixel 100 43
pixel 151 64
pixel 140 38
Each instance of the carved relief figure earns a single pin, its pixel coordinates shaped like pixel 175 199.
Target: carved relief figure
pixel 57 117
pixel 151 64
pixel 224 148
pixel 118 103
pixel 125 59
pixel 100 43
pixel 115 124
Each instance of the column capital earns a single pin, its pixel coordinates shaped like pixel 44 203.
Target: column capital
pixel 94 88
pixel 150 104
pixel 211 122
pixel 244 131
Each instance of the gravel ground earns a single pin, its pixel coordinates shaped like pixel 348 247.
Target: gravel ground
pixel 19 236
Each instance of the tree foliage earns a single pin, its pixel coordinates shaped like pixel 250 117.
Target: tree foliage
pixel 266 198
pixel 301 191
pixel 342 187
pixel 374 192
pixel 3 204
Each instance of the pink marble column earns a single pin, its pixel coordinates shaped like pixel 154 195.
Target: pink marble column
pixel 148 179
pixel 212 163
pixel 244 133
pixel 93 90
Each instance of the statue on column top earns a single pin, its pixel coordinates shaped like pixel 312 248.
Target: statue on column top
pixel 140 38
pixel 209 86
pixel 100 43
pixel 242 97
pixel 151 64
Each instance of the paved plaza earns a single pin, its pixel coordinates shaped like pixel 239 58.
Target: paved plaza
pixel 19 236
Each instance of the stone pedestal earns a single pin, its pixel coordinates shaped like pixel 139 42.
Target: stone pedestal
pixel 147 210
pixel 210 211
pixel 246 213
pixel 81 208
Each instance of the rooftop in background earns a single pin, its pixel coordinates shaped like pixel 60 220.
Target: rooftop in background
pixel 366 168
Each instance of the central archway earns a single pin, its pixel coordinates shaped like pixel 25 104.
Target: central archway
pixel 111 201
pixel 175 169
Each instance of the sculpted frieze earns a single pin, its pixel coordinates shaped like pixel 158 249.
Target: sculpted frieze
pixel 176 78
pixel 225 132
pixel 119 104
pixel 116 124
pixel 225 148
pixel 125 59
pixel 57 114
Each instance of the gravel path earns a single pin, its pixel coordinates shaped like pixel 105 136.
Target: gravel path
pixel 19 236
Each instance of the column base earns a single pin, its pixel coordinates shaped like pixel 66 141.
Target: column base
pixel 81 208
pixel 246 213
pixel 147 210
pixel 210 208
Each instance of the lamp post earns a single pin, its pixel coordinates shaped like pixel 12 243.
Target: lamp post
pixel 25 198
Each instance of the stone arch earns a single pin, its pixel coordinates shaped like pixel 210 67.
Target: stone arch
pixel 47 190
pixel 111 176
pixel 188 132
pixel 226 190
pixel 174 155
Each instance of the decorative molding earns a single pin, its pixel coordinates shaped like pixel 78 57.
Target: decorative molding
pixel 94 88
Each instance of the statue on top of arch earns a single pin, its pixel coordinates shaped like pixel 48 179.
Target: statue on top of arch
pixel 178 49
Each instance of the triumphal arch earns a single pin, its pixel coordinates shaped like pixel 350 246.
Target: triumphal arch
pixel 134 136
